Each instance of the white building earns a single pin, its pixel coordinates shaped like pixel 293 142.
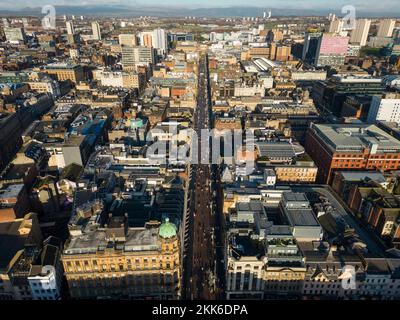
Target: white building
pixel 386 28
pixel 336 26
pixel 109 78
pixel 96 30
pixel 14 34
pixel 384 109
pixel 45 279
pixel 156 39
pixel 70 28
pixel 160 41
pixel 45 285
pixel 360 34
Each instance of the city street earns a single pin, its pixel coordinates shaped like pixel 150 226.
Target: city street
pixel 199 264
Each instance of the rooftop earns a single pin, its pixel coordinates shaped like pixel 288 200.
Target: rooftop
pixel 356 138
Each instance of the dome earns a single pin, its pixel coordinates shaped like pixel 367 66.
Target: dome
pixel 167 230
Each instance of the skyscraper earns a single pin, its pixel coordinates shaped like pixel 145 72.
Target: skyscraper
pixel 332 50
pixel 310 47
pixel 156 39
pixel 386 28
pixel 70 28
pixel 336 26
pixel 360 34
pixel 146 39
pixel 160 41
pixel 96 30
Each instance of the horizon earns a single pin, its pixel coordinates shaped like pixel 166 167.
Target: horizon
pixel 312 6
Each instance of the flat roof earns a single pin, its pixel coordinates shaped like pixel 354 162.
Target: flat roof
pixel 276 149
pixel 137 239
pixel 356 137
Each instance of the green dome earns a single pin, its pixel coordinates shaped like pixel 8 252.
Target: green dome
pixel 167 230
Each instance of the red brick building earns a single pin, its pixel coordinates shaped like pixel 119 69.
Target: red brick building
pixel 351 147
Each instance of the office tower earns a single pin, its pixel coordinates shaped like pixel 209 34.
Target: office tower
pixel 336 26
pixel 96 30
pixel 127 40
pixel 15 34
pixel 386 28
pixel 133 56
pixel 332 94
pixel 160 41
pixel 310 47
pixel 70 28
pixel 154 39
pixel 146 39
pixel 332 50
pixel 360 34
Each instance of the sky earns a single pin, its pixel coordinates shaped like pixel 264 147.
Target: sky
pixel 363 5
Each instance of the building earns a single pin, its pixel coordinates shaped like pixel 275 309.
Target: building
pixel 46 85
pixel 360 34
pixel 127 40
pixel 96 30
pixel 310 47
pixel 10 138
pixel 46 272
pixel 14 202
pixel 70 28
pixel 155 39
pixel 15 34
pixel 116 261
pixel 385 108
pixel 244 267
pixel 336 26
pixel 378 208
pixel 65 71
pixel 386 28
pixel 15 236
pixel 343 181
pixel 160 41
pixel 331 50
pixel 134 56
pixel 300 217
pixel 356 107
pixel 330 95
pixel 352 147
pixel 120 79
pixel 297 172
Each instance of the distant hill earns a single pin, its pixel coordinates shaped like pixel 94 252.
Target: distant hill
pixel 171 11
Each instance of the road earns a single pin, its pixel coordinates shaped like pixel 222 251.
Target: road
pixel 199 280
